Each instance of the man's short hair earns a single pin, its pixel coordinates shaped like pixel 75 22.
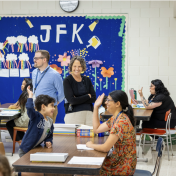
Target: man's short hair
pixel 43 99
pixel 44 53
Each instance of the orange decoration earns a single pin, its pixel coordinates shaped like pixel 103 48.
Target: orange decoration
pixel 107 73
pixel 55 67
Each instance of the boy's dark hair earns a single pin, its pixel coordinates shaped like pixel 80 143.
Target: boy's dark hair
pixel 104 100
pixel 43 99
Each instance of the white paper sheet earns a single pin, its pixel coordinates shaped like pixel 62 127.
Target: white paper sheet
pixel 9 113
pixel 24 72
pixel 86 160
pixel 83 147
pixel 4 73
pixel 14 72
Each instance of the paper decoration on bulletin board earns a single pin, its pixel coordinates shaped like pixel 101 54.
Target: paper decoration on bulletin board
pixel 22 43
pixel 33 43
pixel 11 41
pixel 24 62
pixel 3 71
pixel 11 62
pixel 101 40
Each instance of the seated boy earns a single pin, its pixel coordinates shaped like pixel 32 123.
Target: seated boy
pixel 40 126
pixel 102 108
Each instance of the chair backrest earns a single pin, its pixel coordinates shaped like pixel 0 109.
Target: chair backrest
pixel 160 147
pixel 167 114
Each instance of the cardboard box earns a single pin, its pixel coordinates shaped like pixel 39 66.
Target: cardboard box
pixel 48 157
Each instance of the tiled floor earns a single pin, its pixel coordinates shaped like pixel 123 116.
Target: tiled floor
pixel 168 168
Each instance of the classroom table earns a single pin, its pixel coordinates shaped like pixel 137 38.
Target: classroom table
pixel 63 144
pixel 139 114
pixel 7 117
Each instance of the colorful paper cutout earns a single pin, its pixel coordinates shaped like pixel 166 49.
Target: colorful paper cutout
pixel 11 40
pixel 94 41
pixel 107 73
pixel 65 60
pixel 55 67
pixel 11 61
pixel 3 46
pixel 33 43
pixel 29 23
pixel 21 42
pixel 92 26
pixel 2 61
pixel 95 64
pixel 24 60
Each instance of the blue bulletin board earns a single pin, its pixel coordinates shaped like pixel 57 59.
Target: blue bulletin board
pixel 101 40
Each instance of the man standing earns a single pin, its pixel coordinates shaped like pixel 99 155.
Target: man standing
pixel 46 80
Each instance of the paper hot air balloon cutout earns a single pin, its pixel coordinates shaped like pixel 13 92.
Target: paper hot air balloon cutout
pixel 11 61
pixel 2 61
pixel 94 41
pixel 92 26
pixel 11 40
pixel 21 42
pixel 29 23
pixel 33 43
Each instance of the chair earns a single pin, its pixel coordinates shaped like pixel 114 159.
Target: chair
pixel 159 132
pixel 15 129
pixel 160 147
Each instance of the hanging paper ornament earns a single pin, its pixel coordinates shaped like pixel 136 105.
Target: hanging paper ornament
pixel 22 42
pixel 11 61
pixel 33 43
pixel 11 40
pixel 2 61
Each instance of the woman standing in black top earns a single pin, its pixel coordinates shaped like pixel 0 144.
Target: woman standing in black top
pixel 79 94
pixel 160 102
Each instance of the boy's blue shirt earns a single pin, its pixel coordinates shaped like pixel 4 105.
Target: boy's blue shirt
pixel 35 128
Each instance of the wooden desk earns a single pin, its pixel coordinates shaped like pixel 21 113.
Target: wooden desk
pixel 139 114
pixel 63 144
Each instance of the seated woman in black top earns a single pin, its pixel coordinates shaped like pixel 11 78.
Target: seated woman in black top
pixel 160 102
pixel 79 94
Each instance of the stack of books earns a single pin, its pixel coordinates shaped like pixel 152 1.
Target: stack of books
pixel 85 131
pixel 64 129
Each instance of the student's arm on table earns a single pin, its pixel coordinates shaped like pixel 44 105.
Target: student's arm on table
pixel 112 139
pixel 69 94
pixel 29 105
pixel 145 102
pixel 14 106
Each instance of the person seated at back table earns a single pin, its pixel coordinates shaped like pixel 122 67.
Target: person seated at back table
pixel 103 108
pixel 40 128
pixel 24 83
pixel 122 159
pixel 23 120
pixel 160 102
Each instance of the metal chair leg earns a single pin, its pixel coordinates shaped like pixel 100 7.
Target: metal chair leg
pixel 139 145
pixel 143 143
pixel 167 147
pixel 171 144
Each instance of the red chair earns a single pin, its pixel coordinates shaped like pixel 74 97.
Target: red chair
pixel 159 132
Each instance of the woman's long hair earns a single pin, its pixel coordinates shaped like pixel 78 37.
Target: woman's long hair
pixel 121 96
pixel 159 88
pixel 24 96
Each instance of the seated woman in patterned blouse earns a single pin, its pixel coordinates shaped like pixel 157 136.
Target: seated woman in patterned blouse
pixel 121 143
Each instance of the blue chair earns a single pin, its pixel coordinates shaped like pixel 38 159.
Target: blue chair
pixel 160 147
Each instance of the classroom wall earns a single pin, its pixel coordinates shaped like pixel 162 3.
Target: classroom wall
pixel 151 39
